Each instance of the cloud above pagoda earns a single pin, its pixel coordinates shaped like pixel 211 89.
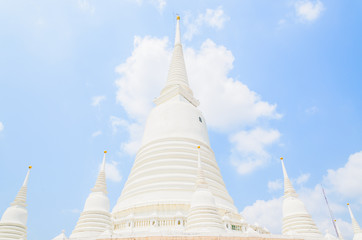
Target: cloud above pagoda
pixel 213 18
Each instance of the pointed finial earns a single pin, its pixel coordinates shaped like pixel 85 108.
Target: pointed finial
pixel 103 166
pixel 281 158
pixel 25 183
pixel 347 204
pixel 178 34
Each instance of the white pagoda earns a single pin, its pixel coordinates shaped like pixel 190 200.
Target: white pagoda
pixel 160 194
pixel 95 219
pixel 13 221
pixel 296 219
pixel 175 189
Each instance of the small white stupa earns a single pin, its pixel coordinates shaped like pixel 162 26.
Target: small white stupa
pixel 13 221
pixel 356 228
pixel 203 216
pixel 296 219
pixel 95 218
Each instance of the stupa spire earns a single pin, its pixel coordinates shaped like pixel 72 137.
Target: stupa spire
pixel 288 187
pixel 177 34
pixel 101 185
pixel 20 198
pixel 355 225
pixel 296 219
pixel 177 81
pixel 13 221
pixel 95 218
pixel 203 215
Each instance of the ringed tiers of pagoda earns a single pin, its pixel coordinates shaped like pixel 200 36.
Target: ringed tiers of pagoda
pixel 202 238
pixel 158 194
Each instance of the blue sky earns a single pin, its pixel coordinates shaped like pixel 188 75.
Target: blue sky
pixel 274 78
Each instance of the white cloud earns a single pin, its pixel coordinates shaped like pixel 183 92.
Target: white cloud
pixel 144 73
pixel 96 101
pixel 214 18
pixel 134 130
pixel 142 76
pixel 282 22
pixel 86 6
pixel 346 181
pixel 266 213
pixel 1 126
pixel 307 10
pixel 97 133
pixel 302 178
pixel 112 171
pixel 249 148
pixel 275 185
pixel 235 105
pixel 159 4
pixel 117 123
pixel 312 110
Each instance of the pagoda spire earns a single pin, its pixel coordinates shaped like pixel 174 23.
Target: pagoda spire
pixel 203 215
pixel 101 185
pixel 178 34
pixel 288 187
pixel 20 198
pixel 296 219
pixel 95 218
pixel 177 81
pixel 13 221
pixel 355 225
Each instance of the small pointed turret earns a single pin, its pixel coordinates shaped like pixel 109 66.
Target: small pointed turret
pixel 177 82
pixel 101 185
pixel 13 221
pixel 288 187
pixel 356 228
pixel 203 215
pixel 296 220
pixel 95 218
